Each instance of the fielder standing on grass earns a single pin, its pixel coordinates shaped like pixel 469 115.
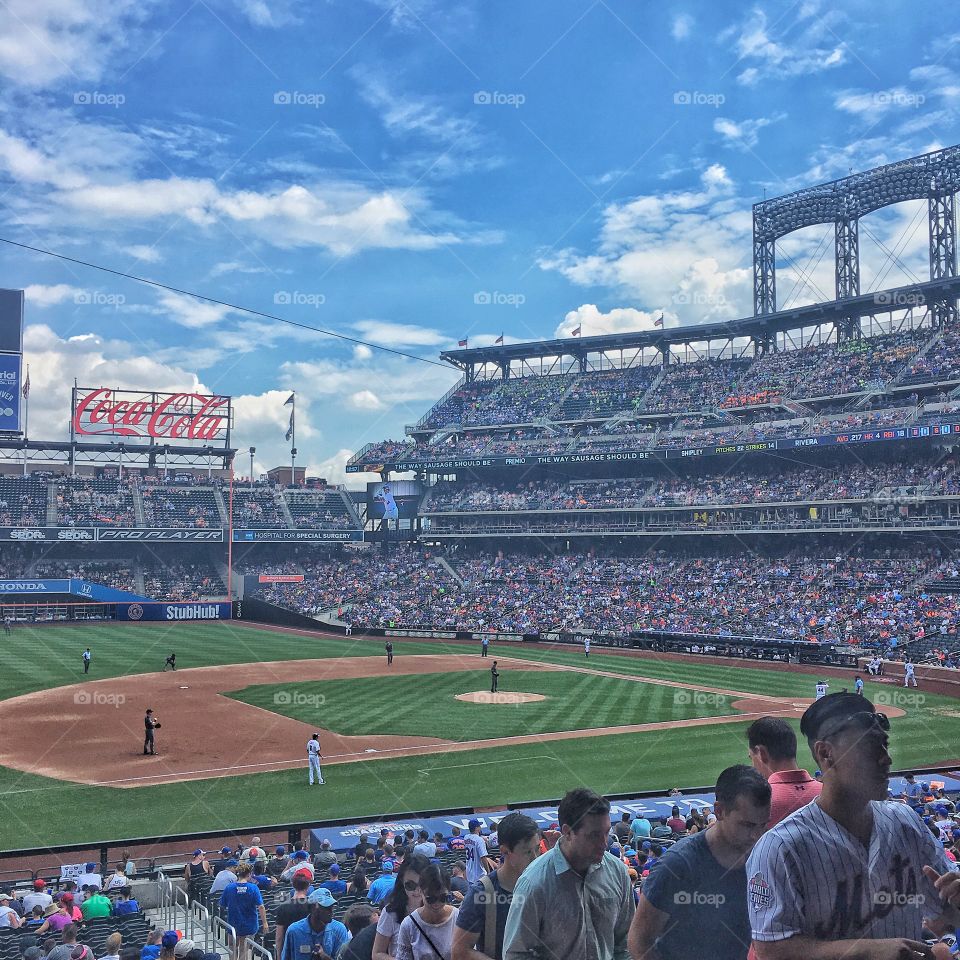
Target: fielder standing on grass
pixel 87 657
pixel 313 758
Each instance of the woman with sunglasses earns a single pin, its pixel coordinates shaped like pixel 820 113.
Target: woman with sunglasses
pixel 405 898
pixel 427 933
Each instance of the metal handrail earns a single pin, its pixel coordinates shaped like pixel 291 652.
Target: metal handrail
pixel 200 919
pixel 224 935
pixel 256 951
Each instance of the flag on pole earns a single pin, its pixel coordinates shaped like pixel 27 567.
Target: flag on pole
pixel 291 402
pixel 289 399
pixel 576 332
pixel 659 321
pixel 26 384
pixel 290 427
pixel 462 343
pixel 499 340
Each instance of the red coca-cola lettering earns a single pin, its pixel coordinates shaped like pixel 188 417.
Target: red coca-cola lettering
pixel 164 416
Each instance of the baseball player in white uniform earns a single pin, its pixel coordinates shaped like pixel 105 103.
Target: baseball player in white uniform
pixel 313 758
pixel 586 647
pixel 822 689
pixel 908 676
pixel 850 867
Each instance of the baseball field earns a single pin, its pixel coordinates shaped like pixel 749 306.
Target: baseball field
pixel 423 734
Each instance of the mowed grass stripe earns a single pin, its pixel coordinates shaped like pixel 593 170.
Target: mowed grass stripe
pixel 427 705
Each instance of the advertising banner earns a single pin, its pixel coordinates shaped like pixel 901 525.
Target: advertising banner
pixel 109 535
pixel 297 536
pixel 675 453
pixel 10 385
pixel 136 612
pixel 280 578
pixel 176 417
pixel 11 321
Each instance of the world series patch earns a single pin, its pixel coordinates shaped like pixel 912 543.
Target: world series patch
pixel 759 890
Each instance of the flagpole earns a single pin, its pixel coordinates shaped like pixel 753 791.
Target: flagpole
pixel 26 417
pixel 293 439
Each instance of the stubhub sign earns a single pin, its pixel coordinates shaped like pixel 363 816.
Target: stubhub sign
pixel 173 611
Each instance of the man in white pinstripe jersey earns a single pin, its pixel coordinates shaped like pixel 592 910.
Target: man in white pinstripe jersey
pixel 850 875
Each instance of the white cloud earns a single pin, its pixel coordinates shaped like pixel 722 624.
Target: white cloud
pixel 364 400
pixel 743 134
pixel 40 295
pixel 140 251
pixel 334 470
pixel 810 48
pixel 399 334
pixel 362 353
pixel 45 42
pixel 190 312
pixel 681 26
pixel 687 252
pixel 593 322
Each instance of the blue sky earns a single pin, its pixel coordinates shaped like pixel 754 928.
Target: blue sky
pixel 383 168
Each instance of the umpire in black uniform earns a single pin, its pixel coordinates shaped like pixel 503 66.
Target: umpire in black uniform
pixel 494 677
pixel 150 723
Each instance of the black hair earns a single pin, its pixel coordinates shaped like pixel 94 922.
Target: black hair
pixel 776 735
pixel 514 828
pixel 397 902
pixel 741 780
pixel 579 803
pixel 357 917
pixel 434 880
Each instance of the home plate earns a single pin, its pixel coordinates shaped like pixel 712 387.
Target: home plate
pixel 484 696
pixel 183 686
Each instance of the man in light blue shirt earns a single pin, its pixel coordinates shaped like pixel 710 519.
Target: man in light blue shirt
pixel 382 887
pixel 318 930
pixel 640 829
pixel 576 900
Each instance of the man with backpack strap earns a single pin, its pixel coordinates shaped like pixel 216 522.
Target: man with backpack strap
pixel 482 919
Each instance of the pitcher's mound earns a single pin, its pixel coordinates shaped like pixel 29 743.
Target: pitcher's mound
pixel 484 696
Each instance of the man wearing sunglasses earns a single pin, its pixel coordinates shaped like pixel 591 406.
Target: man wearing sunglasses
pixel 850 875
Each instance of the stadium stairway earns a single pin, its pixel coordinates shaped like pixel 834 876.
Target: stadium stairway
pixel 453 573
pixel 221 506
pixel 51 505
pixel 652 389
pixel 351 509
pixel 139 511
pixel 284 508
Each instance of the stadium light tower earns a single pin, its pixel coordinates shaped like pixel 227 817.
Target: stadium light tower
pixel 253 450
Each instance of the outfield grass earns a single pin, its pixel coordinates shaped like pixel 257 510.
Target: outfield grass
pixel 37 811
pixel 426 705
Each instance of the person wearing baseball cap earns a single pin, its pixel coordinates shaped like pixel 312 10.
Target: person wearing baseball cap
pixel 317 931
pixel 199 866
pixel 849 875
pixel 478 863
pixel 335 885
pixel 278 862
pixel 38 897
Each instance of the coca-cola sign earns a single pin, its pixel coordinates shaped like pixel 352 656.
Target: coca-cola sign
pixel 179 417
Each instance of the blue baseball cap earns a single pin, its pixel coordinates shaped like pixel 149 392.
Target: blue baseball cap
pixel 224 849
pixel 322 896
pixel 615 850
pixel 169 940
pixel 301 855
pixel 334 869
pixel 232 862
pixel 281 849
pixel 473 824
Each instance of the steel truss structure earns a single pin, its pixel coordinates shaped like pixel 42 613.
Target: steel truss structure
pixel 934 177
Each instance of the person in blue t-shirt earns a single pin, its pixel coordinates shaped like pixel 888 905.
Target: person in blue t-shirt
pixel 318 930
pixel 382 887
pixel 697 894
pixel 125 904
pixel 519 844
pixel 244 904
pixel 335 885
pixel 260 876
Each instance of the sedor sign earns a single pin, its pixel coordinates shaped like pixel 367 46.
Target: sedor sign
pixel 159 416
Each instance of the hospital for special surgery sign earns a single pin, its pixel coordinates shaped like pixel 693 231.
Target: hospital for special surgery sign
pixel 177 417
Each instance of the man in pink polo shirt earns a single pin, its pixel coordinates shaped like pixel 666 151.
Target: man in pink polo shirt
pixel 773 752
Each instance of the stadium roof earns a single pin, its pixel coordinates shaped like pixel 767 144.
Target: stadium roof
pixel 833 311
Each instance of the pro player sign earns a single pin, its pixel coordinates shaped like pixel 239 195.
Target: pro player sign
pixel 173 417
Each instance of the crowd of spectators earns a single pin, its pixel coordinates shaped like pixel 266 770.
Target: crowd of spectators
pixel 940 364
pixel 856 599
pixel 170 506
pixel 118 574
pixel 321 510
pixel 23 502
pixel 257 507
pixel 94 502
pixel 180 580
pixel 777 483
